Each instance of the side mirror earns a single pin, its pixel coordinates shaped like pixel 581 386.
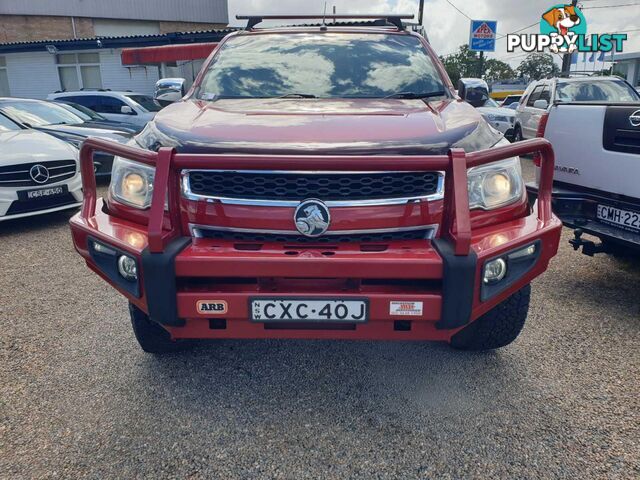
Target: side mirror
pixel 541 104
pixel 126 109
pixel 169 90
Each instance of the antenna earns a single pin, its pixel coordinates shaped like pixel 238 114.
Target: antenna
pixel 324 14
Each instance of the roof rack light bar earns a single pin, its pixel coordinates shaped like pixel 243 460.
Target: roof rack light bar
pixel 392 18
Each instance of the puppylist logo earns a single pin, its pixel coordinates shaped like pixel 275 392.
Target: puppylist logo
pixel 563 29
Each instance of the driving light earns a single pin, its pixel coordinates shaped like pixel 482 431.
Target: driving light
pixel 494 271
pixel 127 268
pixel 495 185
pixel 132 182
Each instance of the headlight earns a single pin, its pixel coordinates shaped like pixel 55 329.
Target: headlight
pixel 151 138
pixel 495 185
pixel 132 182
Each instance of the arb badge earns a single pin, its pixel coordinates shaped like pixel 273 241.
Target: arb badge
pixel 211 307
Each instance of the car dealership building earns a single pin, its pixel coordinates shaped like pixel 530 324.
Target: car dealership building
pixel 80 43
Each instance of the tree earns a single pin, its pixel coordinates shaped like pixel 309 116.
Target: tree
pixel 538 65
pixel 463 63
pixel 497 70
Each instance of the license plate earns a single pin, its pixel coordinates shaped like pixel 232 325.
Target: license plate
pixel 42 193
pixel 623 218
pixel 309 310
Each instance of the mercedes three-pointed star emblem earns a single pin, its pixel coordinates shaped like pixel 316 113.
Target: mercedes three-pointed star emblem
pixel 39 173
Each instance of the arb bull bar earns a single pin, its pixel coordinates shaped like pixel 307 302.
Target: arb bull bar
pixel 168 257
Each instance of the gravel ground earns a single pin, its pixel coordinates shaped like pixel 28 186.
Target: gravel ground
pixel 79 399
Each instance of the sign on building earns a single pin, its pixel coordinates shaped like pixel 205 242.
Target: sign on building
pixel 482 37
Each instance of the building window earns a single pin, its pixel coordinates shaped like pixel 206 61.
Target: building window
pixel 4 78
pixel 79 70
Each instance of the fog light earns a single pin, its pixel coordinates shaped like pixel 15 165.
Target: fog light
pixel 494 271
pixel 127 268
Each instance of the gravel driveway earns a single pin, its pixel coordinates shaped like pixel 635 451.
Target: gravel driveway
pixel 78 398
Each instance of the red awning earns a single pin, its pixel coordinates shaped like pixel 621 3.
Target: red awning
pixel 166 53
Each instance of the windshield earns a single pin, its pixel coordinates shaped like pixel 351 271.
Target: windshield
pixel 596 91
pixel 323 65
pixel 479 97
pixel 146 102
pixel 39 114
pixel 82 111
pixel 7 125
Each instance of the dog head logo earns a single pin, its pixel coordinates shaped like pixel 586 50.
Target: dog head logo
pixel 563 19
pixel 565 22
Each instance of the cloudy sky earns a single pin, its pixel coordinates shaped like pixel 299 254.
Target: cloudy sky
pixel 448 29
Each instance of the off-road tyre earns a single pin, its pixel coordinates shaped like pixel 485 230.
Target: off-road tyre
pixel 151 336
pixel 498 327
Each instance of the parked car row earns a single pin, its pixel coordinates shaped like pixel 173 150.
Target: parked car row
pixel 39 169
pixel 594 126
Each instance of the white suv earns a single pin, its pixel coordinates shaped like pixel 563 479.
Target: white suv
pixel 128 107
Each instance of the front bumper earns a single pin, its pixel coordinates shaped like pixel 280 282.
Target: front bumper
pixel 11 207
pixel 577 209
pixel 199 269
pixel 176 271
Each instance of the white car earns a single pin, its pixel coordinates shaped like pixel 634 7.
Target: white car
pixel 128 107
pixel 500 118
pixel 39 173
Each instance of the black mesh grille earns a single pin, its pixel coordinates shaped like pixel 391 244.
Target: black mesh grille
pixel 325 186
pixel 327 239
pixel 18 175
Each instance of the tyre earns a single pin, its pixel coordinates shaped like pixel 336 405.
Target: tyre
pixel 498 327
pixel 151 336
pixel 517 135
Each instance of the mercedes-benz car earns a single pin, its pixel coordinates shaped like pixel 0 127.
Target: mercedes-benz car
pixel 38 173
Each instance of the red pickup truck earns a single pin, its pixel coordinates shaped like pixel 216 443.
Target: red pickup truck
pixel 320 182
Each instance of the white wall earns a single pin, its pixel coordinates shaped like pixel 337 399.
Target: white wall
pixel 32 74
pixel 35 74
pixel 105 27
pixel 117 77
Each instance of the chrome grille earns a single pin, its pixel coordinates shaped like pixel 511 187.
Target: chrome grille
pixel 18 175
pixel 424 232
pixel 288 187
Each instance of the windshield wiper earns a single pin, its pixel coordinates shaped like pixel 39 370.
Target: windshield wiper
pixel 297 95
pixel 414 95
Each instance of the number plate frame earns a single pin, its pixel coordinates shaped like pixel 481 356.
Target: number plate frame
pixel 27 195
pixel 364 302
pixel 619 224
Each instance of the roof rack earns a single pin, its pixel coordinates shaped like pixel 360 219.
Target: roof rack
pixel 392 18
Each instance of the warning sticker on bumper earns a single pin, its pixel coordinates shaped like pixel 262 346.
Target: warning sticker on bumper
pixel 407 309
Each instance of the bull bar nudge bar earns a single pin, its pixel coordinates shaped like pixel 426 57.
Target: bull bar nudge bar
pixel 453 245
